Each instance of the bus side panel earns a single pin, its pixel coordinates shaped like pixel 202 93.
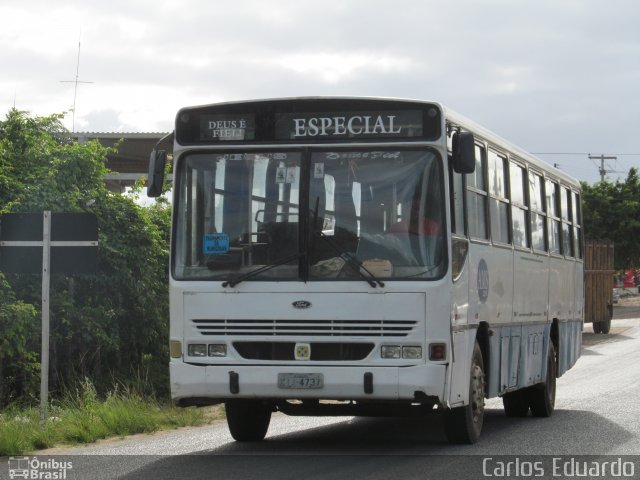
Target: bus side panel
pixel 562 307
pixel 462 341
pixel 579 309
pixel 495 367
pixel 517 357
pixel 579 300
pixel 530 277
pixel 561 289
pixel 532 359
pixel 530 302
pixel 570 339
pixel 490 300
pixel 509 356
pixel 462 345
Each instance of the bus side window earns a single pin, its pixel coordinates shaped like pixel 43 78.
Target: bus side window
pixel 477 197
pixel 457 204
pixel 519 210
pixel 577 224
pixel 567 229
pixel 456 187
pixel 538 216
pixel 499 203
pixel 553 197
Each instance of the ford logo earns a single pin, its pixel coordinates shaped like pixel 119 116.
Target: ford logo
pixel 300 304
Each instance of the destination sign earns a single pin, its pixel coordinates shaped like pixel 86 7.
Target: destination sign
pixel 405 124
pixel 227 128
pixel 310 120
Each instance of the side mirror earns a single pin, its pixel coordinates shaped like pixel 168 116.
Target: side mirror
pixel 155 180
pixel 463 146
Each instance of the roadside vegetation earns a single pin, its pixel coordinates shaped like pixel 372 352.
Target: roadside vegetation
pixel 81 417
pixel 612 211
pixel 110 327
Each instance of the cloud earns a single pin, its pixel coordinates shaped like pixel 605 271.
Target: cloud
pixel 545 74
pixel 338 67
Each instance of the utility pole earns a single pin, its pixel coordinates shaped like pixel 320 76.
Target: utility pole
pixel 602 158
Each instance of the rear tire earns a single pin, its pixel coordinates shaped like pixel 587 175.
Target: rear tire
pixel 464 424
pixel 605 326
pixel 597 327
pixel 542 397
pixel 248 420
pixel 516 404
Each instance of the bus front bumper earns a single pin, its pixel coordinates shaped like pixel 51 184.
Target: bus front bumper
pixel 220 382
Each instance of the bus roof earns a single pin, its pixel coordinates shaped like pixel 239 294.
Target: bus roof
pixel 500 142
pixel 449 116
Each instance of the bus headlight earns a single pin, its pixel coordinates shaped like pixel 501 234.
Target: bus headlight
pixel 197 350
pixel 390 351
pixel 412 353
pixel 217 350
pixel 397 351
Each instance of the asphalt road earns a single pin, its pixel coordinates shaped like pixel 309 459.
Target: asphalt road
pixel 597 413
pixel 627 307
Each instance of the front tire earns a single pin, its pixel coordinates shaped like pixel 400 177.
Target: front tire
pixel 248 420
pixel 464 424
pixel 542 397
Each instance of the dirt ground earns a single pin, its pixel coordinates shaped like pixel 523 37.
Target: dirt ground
pixel 627 307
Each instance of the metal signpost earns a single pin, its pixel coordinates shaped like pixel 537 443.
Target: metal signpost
pixel 65 243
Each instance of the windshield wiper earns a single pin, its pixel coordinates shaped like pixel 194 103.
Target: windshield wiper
pixel 355 264
pixel 235 280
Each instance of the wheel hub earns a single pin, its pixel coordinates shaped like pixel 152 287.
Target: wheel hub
pixel 477 393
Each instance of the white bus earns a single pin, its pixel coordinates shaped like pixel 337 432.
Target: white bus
pixel 359 256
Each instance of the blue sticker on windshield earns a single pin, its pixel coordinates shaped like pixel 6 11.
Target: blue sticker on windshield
pixel 215 243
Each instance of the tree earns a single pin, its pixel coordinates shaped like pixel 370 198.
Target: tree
pixel 612 211
pixel 108 326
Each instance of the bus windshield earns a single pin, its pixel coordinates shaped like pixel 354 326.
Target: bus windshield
pixel 240 212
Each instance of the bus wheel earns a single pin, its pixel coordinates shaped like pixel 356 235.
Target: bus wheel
pixel 605 326
pixel 248 420
pixel 516 404
pixel 542 397
pixel 597 327
pixel 464 424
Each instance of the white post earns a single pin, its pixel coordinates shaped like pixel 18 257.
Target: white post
pixel 46 274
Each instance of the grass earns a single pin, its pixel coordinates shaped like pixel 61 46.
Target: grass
pixel 83 418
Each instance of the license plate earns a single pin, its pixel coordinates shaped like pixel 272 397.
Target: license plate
pixel 300 380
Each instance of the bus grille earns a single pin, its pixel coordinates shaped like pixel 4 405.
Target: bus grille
pixel 293 328
pixel 334 352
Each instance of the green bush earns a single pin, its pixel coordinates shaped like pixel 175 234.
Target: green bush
pixel 82 417
pixel 113 324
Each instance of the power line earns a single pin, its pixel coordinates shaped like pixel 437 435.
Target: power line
pixel 602 171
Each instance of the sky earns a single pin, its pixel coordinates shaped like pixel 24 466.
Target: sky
pixel 559 78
